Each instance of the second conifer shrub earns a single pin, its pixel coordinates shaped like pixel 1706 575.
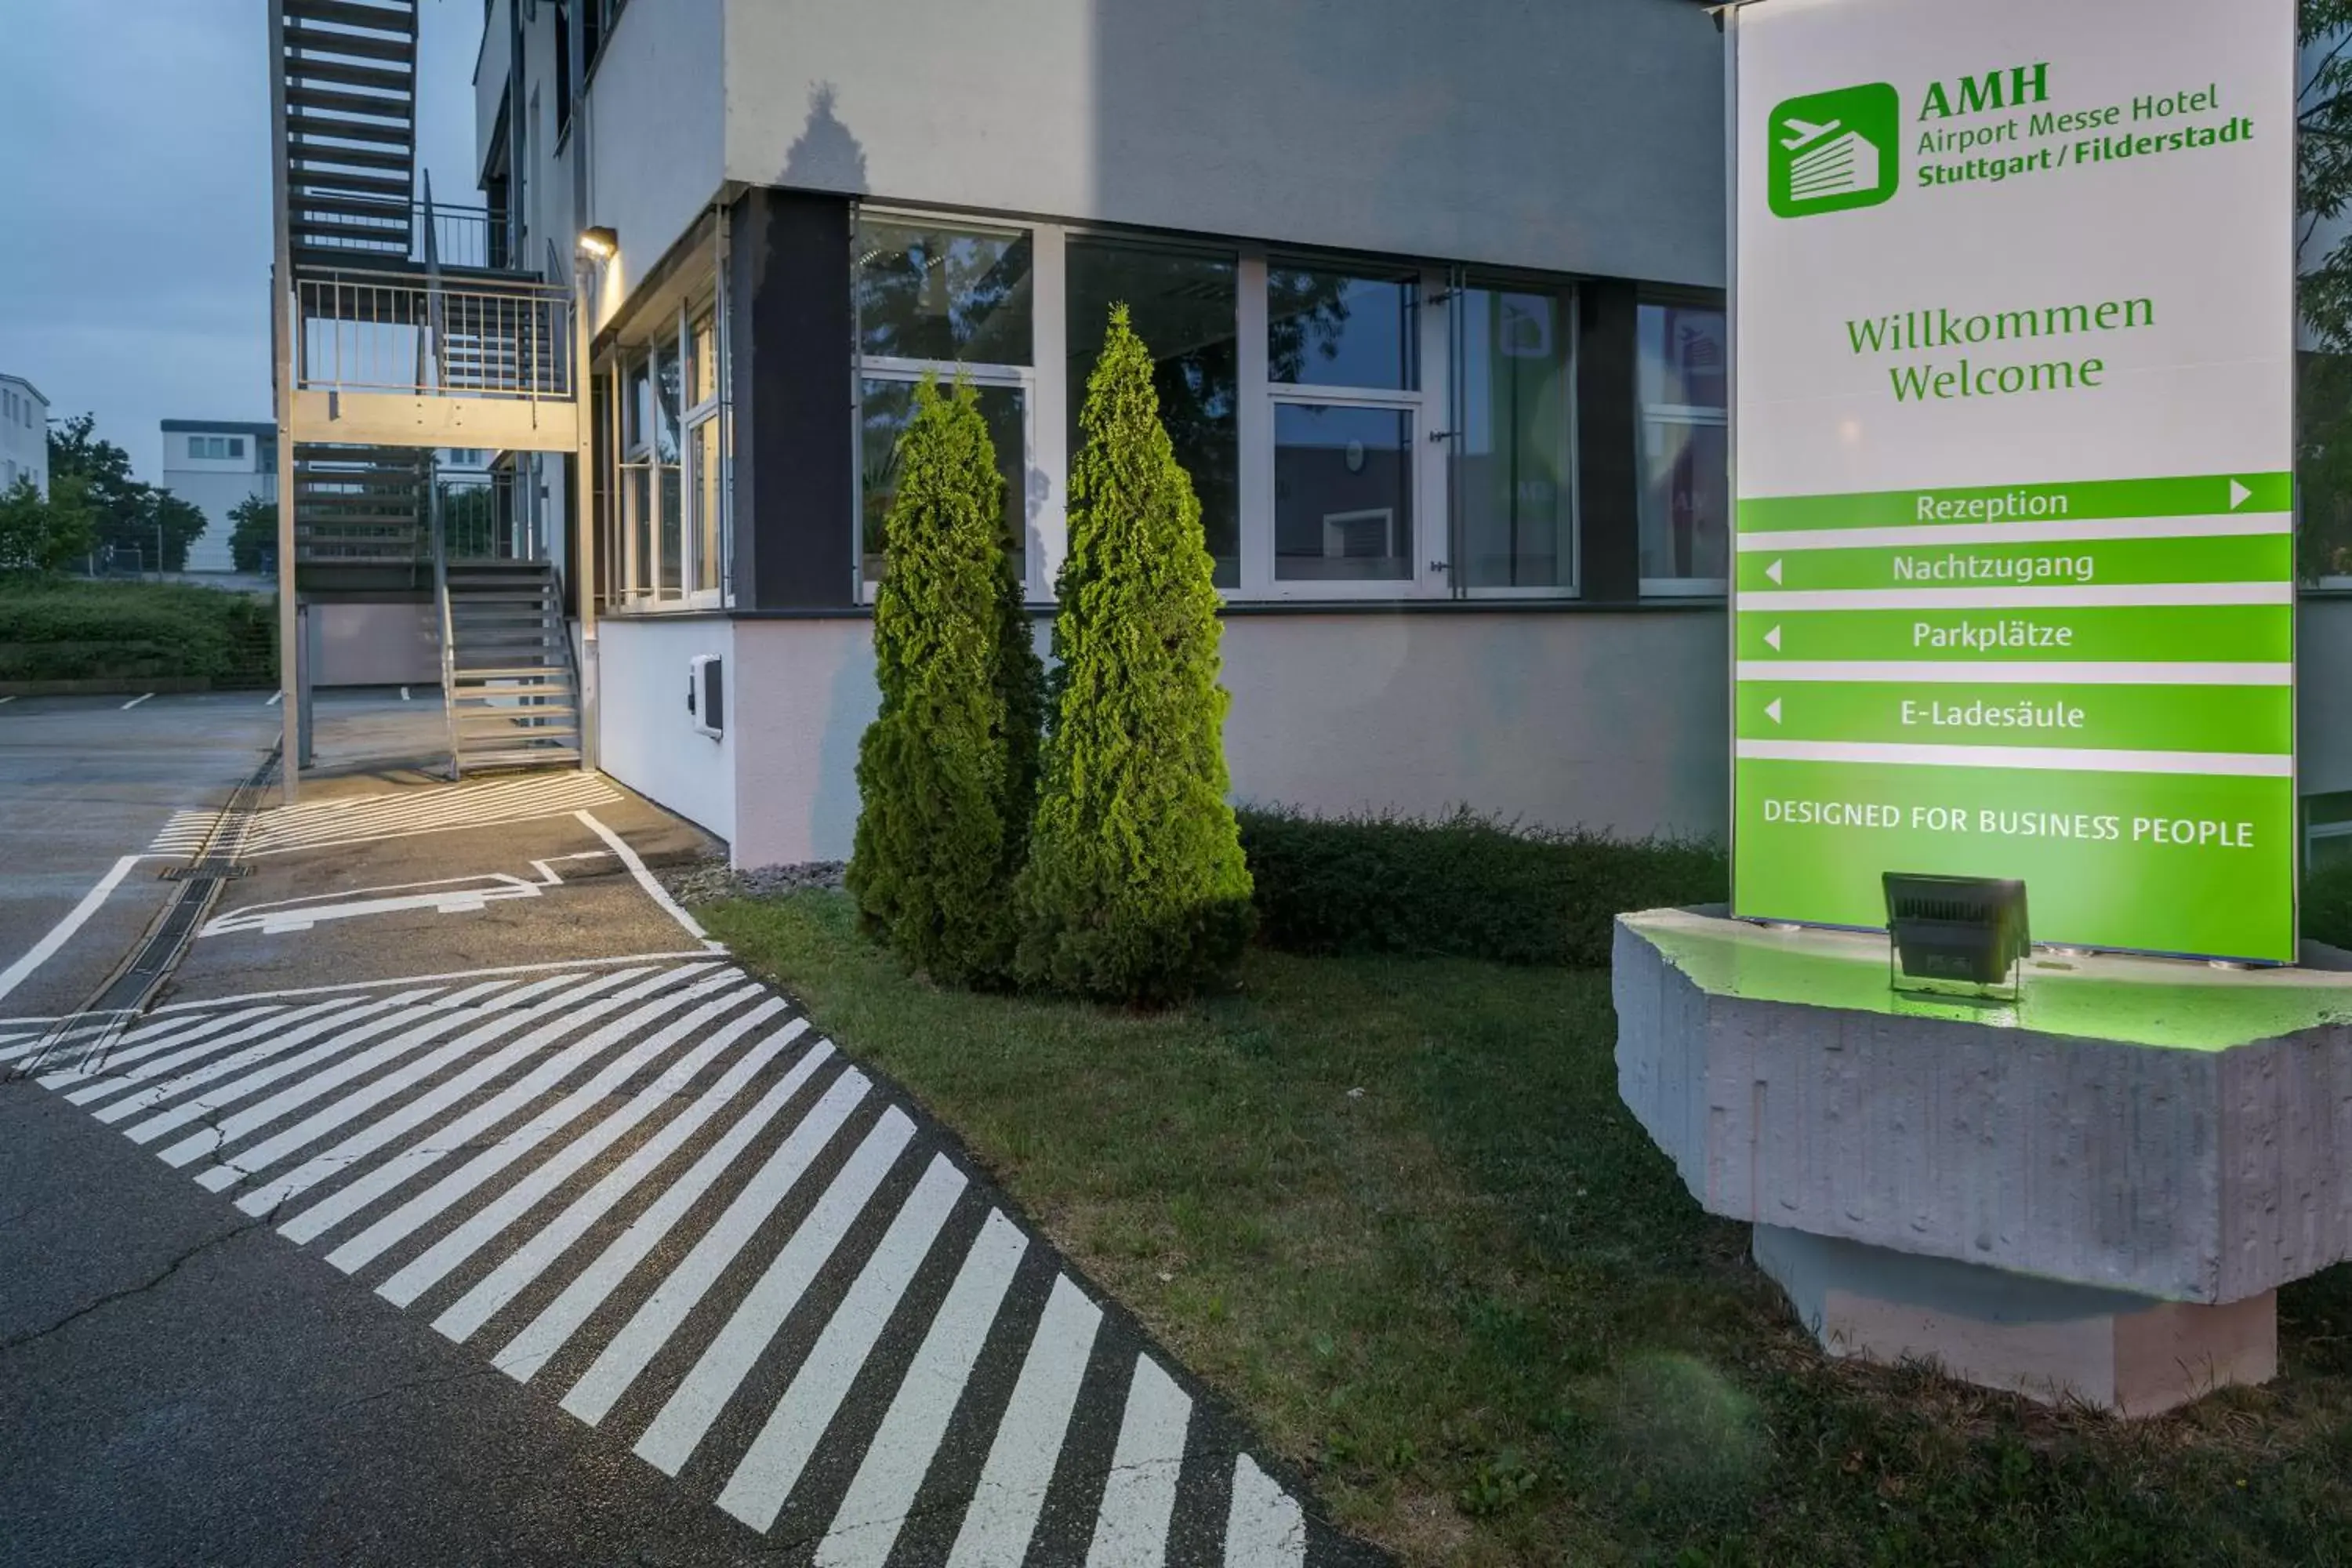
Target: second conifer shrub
pixel 947 771
pixel 1135 890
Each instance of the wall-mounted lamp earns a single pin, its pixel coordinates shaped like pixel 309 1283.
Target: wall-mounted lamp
pixel 599 244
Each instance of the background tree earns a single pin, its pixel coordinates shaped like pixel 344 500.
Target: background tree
pixel 252 534
pixel 1136 888
pixel 43 534
pixel 947 771
pixel 2324 295
pixel 130 519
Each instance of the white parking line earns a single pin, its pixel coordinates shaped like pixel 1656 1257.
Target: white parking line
pixel 275 697
pixel 18 973
pixel 137 700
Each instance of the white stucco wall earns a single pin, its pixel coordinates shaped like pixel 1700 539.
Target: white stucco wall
pixel 377 645
pixel 25 439
pixel 1607 721
pixel 644 737
pixel 1584 137
pixel 2323 695
pixel 656 124
pixel 214 486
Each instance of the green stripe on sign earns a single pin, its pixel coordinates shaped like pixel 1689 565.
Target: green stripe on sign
pixel 2232 719
pixel 2241 558
pixel 2177 863
pixel 2258 634
pixel 2196 495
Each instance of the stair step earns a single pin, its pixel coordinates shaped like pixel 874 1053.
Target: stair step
pixel 306 125
pixel 400 106
pixel 309 158
pixel 351 236
pixel 548 757
pixel 400 16
pixel 536 692
pixel 305 186
pixel 394 43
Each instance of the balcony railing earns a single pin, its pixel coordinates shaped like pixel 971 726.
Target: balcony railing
pixel 388 331
pixel 377 231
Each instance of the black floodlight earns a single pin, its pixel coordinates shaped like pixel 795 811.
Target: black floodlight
pixel 1956 935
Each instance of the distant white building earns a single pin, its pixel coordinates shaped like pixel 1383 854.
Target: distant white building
pixel 215 464
pixel 24 433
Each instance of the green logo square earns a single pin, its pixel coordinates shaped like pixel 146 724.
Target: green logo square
pixel 1833 151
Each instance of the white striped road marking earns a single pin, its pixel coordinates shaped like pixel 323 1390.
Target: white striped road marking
pixel 1766 601
pixel 544 1125
pixel 440 1142
pixel 16 973
pixel 773 1466
pixel 234 1168
pixel 645 880
pixel 105 1080
pixel 275 697
pixel 1139 1498
pixel 1265 1528
pixel 431 1266
pixel 375 1134
pixel 1924 535
pixel 882 1495
pixel 1004 1507
pixel 564 968
pixel 136 700
pixel 696 1401
pixel 2055 759
pixel 402 814
pixel 5 700
pixel 529 1350
pixel 275 1064
pixel 142 1042
pixel 2020 672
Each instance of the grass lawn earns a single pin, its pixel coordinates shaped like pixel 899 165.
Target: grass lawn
pixel 1394 1211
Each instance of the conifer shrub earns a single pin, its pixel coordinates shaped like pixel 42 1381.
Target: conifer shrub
pixel 947 771
pixel 1135 890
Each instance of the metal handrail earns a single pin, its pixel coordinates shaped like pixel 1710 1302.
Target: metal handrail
pixel 431 335
pixel 448 623
pixel 462 235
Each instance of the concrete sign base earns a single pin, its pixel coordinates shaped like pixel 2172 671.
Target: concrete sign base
pixel 2055 1343
pixel 2091 1194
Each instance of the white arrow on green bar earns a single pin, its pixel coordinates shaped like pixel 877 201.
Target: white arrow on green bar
pixel 2238 494
pixel 1772 710
pixel 1774 571
pixel 1772 639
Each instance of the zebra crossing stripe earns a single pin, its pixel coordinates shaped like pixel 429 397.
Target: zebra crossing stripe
pixel 376 1134
pixel 111 1081
pixel 771 1466
pixel 269 1061
pixel 697 1400
pixel 883 1492
pixel 236 1168
pixel 1139 1498
pixel 531 1260
pixel 440 1142
pixel 512 1146
pixel 1265 1528
pixel 141 1044
pixel 1020 1469
pixel 431 1266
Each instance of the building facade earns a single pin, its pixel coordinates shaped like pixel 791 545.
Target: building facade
pixel 1437 305
pixel 24 433
pixel 215 465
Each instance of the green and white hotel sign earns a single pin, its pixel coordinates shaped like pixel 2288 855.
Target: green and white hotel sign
pixel 2014 590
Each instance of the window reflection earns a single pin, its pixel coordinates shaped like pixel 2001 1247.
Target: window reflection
pixel 886 407
pixel 1343 494
pixel 1684 377
pixel 1342 329
pixel 929 293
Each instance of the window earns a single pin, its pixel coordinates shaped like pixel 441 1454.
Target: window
pixel 1686 451
pixel 216 448
pixel 1343 369
pixel 942 300
pixel 661 410
pixel 1183 305
pixel 1514 442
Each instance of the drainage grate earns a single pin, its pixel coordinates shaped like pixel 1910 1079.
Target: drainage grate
pixel 206 871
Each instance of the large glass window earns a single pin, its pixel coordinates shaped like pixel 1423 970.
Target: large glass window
pixel 1342 492
pixel 1342 329
pixel 1514 481
pixel 946 301
pixel 1182 304
pixel 941 294
pixel 667 456
pixel 1683 383
pixel 669 543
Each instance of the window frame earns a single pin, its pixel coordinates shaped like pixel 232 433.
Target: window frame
pixel 1691 416
pixel 634 586
pixel 1567 292
pixel 1044 523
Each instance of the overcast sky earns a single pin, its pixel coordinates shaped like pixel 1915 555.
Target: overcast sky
pixel 134 201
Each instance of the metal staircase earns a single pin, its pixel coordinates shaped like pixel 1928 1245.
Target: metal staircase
pixel 505 666
pixel 361 506
pixel 350 129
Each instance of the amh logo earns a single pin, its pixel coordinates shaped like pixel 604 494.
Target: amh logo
pixel 1833 150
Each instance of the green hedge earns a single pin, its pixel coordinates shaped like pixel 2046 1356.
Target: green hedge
pixel 1465 885
pixel 2327 906
pixel 86 631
